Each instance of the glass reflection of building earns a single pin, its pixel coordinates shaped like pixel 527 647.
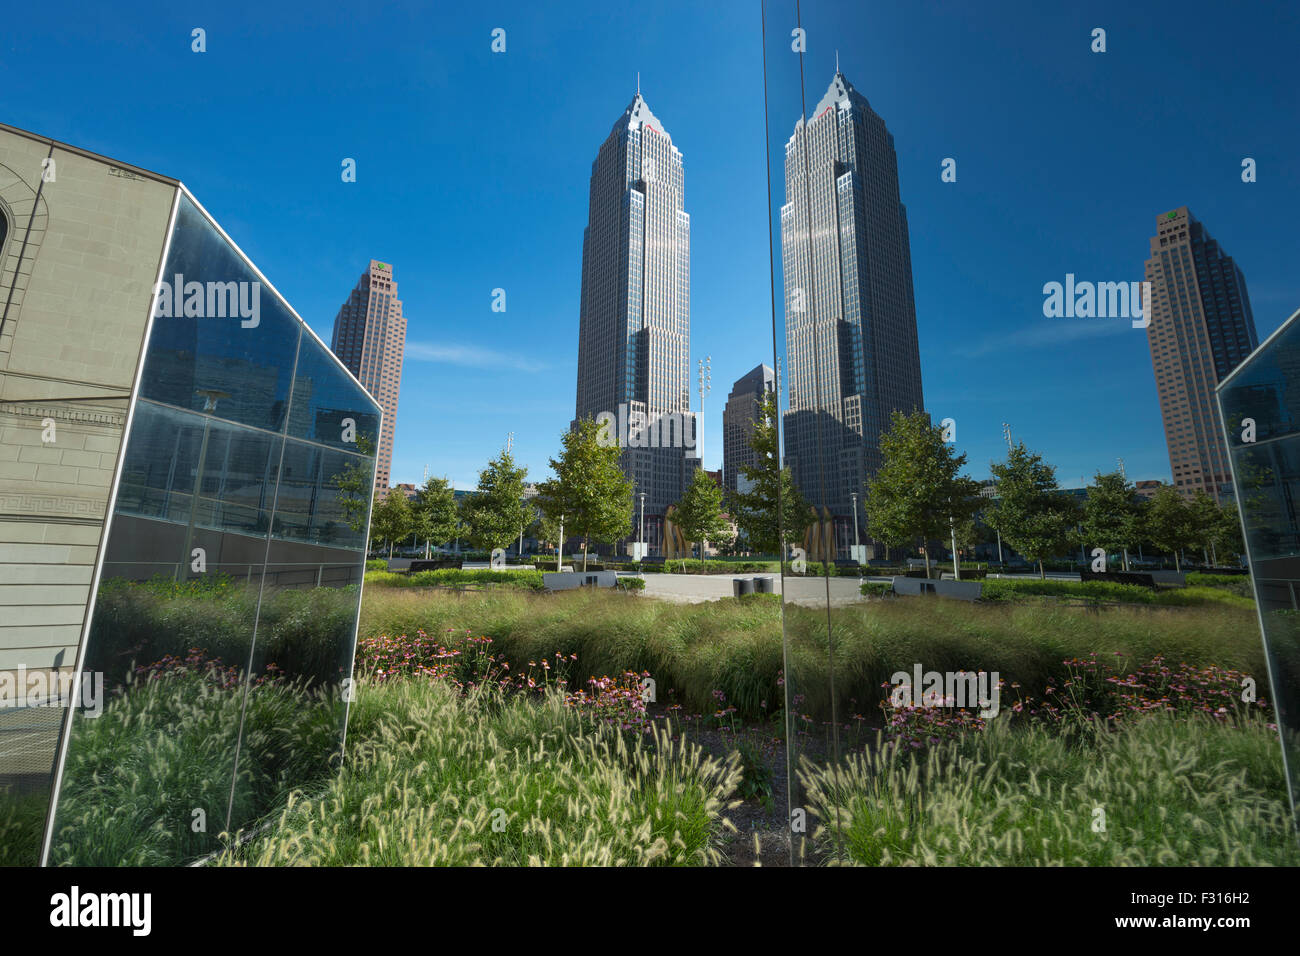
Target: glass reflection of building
pixel 213 467
pixel 1260 406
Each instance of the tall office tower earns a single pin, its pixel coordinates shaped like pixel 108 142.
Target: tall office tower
pixel 1201 328
pixel 850 318
pixel 738 418
pixel 634 325
pixel 369 338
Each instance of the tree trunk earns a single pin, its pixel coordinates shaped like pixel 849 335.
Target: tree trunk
pixel 390 551
pixel 1126 559
pixel 584 555
pixel 1042 573
pixel 1177 565
pixel 926 550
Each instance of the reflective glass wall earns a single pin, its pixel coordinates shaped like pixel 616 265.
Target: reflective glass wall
pixel 224 624
pixel 1260 405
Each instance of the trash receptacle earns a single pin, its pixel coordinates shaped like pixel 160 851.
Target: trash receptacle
pixel 742 586
pixel 764 586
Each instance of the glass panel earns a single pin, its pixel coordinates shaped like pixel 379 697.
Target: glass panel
pixel 222 674
pixel 1260 406
pixel 221 338
pixel 325 398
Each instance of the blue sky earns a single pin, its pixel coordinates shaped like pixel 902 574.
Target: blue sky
pixel 473 172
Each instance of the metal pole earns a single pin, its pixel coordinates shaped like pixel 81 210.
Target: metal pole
pixel 956 565
pixel 194 502
pixel 559 551
pixel 641 535
pixel 854 496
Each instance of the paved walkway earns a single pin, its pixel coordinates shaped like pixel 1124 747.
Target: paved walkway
pixel 698 588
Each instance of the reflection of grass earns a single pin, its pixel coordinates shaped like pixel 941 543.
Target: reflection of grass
pixel 301 631
pixel 1185 791
pixel 164 749
pixel 735 646
pixel 22 822
pixel 437 778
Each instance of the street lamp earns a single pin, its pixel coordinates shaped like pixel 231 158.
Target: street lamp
pixel 706 386
pixel 853 495
pixel 641 536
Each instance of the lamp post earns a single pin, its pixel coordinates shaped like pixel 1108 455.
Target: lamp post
pixel 1124 474
pixel 706 386
pixel 952 531
pixel 853 496
pixel 641 535
pixel 559 551
pixel 211 397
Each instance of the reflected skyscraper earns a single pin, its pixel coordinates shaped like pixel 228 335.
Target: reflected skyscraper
pixel 850 317
pixel 370 338
pixel 634 327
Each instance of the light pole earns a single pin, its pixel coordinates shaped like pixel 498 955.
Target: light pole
pixel 559 551
pixel 641 535
pixel 952 531
pixel 1124 475
pixel 853 496
pixel 706 386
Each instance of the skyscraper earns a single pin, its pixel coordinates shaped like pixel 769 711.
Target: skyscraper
pixel 850 318
pixel 1201 328
pixel 369 338
pixel 634 326
pixel 738 417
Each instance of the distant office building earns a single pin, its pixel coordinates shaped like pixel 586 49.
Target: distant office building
pixel 634 326
pixel 370 338
pixel 850 318
pixel 1201 328
pixel 1265 388
pixel 738 418
pixel 1146 490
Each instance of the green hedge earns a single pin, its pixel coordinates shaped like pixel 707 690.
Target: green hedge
pixel 527 579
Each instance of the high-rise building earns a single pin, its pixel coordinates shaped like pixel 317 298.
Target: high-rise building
pixel 1201 328
pixel 850 318
pixel 369 338
pixel 738 418
pixel 634 327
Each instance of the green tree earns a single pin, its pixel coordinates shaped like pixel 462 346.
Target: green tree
pixel 765 527
pixel 699 513
pixel 1030 511
pixel 494 513
pixel 1170 522
pixel 1227 535
pixel 391 519
pixel 918 491
pixel 435 517
pixel 1109 515
pixel 356 485
pixel 589 490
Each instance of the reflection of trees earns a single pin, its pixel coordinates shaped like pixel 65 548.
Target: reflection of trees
pixel 355 485
pixel 1269 520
